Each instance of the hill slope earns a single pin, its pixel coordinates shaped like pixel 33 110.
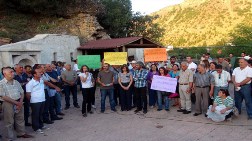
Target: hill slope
pixel 203 22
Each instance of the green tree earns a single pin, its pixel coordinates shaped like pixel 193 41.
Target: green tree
pixel 242 35
pixel 116 17
pixel 144 25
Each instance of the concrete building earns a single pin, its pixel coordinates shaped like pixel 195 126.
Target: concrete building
pixel 41 49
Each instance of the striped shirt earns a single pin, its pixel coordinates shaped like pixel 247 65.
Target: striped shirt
pixel 228 101
pixel 140 78
pixel 221 80
pixel 12 90
pixel 203 79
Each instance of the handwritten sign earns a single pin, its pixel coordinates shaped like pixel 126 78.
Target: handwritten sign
pixel 155 54
pixel 162 83
pixel 92 61
pixel 115 58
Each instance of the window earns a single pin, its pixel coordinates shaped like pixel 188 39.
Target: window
pixel 55 56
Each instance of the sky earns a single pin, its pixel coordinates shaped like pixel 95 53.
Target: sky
pixel 149 6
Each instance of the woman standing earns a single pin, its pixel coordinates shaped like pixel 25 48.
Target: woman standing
pixel 174 73
pixel 161 94
pixel 212 67
pixel 86 84
pixel 125 80
pixel 152 93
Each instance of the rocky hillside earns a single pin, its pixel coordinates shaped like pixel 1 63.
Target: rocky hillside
pixel 20 21
pixel 203 22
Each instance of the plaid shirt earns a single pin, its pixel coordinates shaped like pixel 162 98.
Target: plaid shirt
pixel 14 91
pixel 140 78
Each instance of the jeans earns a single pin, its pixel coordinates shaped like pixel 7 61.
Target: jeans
pixel 217 89
pixel 86 104
pixel 160 96
pixel 152 97
pixel 37 115
pixel 125 98
pixel 73 90
pixel 104 93
pixel 58 102
pixel 244 93
pixel 141 98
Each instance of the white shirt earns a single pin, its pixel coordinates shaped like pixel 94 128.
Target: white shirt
pixel 192 65
pixel 75 68
pixel 88 83
pixel 37 90
pixel 221 80
pixel 241 75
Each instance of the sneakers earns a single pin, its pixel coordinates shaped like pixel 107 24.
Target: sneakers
pixel 93 106
pixel 39 131
pixel 45 128
pixel 151 107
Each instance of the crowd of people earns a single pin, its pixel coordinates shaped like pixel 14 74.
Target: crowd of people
pixel 37 90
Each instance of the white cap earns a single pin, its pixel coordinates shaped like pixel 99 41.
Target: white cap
pixel 133 62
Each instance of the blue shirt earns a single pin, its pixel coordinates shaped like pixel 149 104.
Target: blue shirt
pixel 140 78
pixel 174 75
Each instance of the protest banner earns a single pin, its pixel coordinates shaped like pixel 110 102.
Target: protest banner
pixel 92 61
pixel 115 58
pixel 162 83
pixel 155 54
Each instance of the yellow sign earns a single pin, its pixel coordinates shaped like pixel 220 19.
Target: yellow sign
pixel 155 54
pixel 115 58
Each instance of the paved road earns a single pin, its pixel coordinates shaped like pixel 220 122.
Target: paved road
pixel 154 126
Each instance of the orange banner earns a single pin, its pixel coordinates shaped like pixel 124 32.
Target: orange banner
pixel 155 54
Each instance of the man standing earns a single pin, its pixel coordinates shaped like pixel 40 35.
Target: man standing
pixel 48 108
pixel 22 78
pixel 140 79
pixel 52 92
pixel 106 80
pixel 224 64
pixel 12 95
pixel 185 87
pixel 191 65
pixel 36 95
pixel 241 78
pixel 232 61
pixel 202 82
pixel 69 78
pixel 173 60
pixel 221 79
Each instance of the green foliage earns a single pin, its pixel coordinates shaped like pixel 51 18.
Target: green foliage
pixel 116 17
pixel 196 52
pixel 242 35
pixel 143 25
